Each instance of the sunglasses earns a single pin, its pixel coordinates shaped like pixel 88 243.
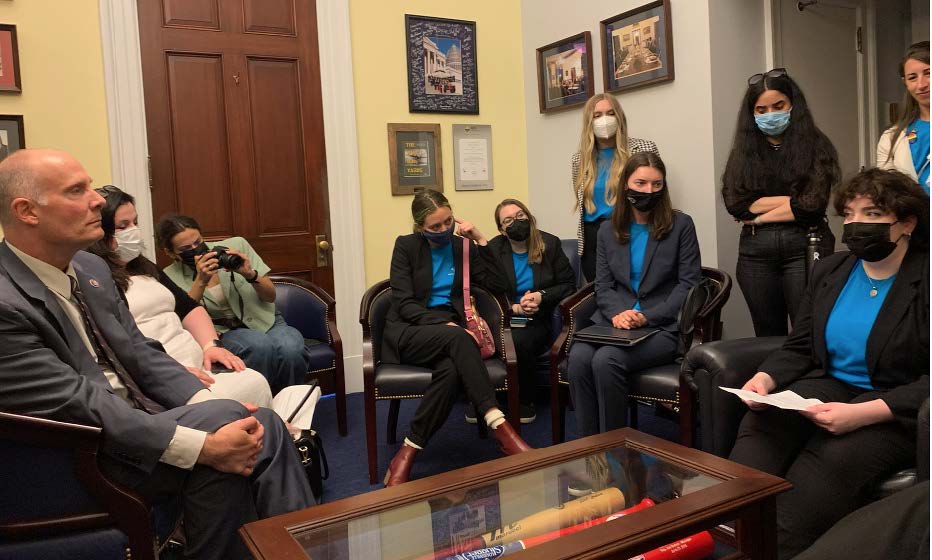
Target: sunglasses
pixel 775 73
pixel 107 190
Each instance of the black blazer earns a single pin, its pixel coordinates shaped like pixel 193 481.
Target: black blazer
pixel 898 344
pixel 672 266
pixel 553 275
pixel 411 279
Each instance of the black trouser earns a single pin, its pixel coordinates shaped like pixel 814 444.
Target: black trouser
pixel 831 475
pixel 590 237
pixel 771 271
pixel 530 343
pixel 453 355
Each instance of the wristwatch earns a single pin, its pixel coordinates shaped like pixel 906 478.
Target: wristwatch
pixel 255 277
pixel 212 344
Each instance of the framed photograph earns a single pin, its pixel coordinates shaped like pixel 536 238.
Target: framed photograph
pixel 472 157
pixel 637 47
pixel 564 73
pixel 414 157
pixel 12 136
pixel 442 76
pixel 9 59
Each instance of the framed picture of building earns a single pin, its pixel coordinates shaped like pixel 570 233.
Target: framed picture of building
pixel 414 157
pixel 564 73
pixel 442 75
pixel 637 47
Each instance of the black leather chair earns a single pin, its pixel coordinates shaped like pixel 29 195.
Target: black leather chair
pixel 658 385
pixel 394 382
pixel 313 312
pixel 730 363
pixel 55 503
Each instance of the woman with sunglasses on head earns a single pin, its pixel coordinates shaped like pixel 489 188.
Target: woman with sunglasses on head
pixel 648 259
pixel 534 275
pixel 604 148
pixel 860 345
pixel 425 326
pixel 905 145
pixel 239 296
pixel 777 183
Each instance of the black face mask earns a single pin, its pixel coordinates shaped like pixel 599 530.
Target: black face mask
pixel 187 256
pixel 440 238
pixel 519 230
pixel 645 202
pixel 869 241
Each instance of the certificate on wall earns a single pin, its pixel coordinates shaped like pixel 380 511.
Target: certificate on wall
pixel 472 157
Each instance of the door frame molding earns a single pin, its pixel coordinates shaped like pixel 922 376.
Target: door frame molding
pixel 119 30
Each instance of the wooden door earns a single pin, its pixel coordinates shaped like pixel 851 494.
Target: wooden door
pixel 235 125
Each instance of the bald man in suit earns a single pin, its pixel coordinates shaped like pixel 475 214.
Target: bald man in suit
pixel 70 351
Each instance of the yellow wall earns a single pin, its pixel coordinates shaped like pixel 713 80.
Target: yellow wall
pixel 63 101
pixel 378 39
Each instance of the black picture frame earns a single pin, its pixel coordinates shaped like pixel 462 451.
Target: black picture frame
pixel 559 65
pixel 637 47
pixel 12 135
pixel 434 85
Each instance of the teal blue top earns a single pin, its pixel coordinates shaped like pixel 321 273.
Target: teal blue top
pixel 850 324
pixel 524 276
pixel 917 133
pixel 603 165
pixel 442 260
pixel 638 246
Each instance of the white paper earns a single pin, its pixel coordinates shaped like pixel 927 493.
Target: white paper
pixel 787 400
pixel 286 401
pixel 474 159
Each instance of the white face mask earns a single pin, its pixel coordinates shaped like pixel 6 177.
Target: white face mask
pixel 605 126
pixel 129 243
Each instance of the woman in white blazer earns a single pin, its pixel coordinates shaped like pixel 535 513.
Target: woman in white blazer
pixel 905 145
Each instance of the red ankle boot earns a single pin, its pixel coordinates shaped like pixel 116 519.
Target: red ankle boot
pixel 509 441
pixel 400 467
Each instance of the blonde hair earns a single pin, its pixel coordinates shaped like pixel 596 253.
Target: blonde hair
pixel 588 157
pixel 535 241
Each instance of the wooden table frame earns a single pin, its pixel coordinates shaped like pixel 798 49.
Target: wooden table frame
pixel 745 495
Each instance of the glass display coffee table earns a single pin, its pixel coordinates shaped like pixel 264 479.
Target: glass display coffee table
pixel 550 503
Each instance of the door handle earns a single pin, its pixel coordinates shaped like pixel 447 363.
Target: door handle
pixel 323 250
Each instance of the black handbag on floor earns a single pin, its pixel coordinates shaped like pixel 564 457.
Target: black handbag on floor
pixel 311 452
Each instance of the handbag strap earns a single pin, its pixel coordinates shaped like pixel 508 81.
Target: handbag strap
pixel 467 301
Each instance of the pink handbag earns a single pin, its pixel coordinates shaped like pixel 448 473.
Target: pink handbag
pixel 475 325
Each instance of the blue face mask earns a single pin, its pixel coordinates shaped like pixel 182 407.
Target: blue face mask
pixel 439 238
pixel 774 123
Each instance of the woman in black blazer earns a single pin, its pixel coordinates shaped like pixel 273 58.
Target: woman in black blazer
pixel 534 275
pixel 647 260
pixel 860 344
pixel 424 326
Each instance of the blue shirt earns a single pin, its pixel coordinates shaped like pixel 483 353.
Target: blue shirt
pixel 850 324
pixel 524 276
pixel 638 246
pixel 603 165
pixel 442 260
pixel 917 134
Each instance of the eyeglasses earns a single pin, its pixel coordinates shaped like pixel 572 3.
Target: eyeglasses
pixel 775 73
pixel 510 220
pixel 107 190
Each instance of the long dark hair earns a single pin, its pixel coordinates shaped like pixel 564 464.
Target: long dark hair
pixel 535 241
pixel 908 110
pixel 425 203
pixel 891 191
pixel 171 225
pixel 114 198
pixel 660 218
pixel 805 148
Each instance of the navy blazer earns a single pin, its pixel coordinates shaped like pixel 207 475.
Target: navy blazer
pixel 897 346
pixel 672 266
pixel 47 371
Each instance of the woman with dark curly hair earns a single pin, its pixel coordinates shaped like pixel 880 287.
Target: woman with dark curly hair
pixel 777 183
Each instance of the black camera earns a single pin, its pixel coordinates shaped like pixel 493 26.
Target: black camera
pixel 225 260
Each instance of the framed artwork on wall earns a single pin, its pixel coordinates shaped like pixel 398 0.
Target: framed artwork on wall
pixel 12 135
pixel 637 47
pixel 564 73
pixel 414 157
pixel 442 74
pixel 9 60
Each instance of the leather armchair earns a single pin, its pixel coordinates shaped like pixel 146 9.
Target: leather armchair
pixel 394 382
pixel 730 363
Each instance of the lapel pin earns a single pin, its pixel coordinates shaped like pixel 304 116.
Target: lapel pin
pixel 94 283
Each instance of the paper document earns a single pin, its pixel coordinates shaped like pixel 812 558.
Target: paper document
pixel 785 399
pixel 288 399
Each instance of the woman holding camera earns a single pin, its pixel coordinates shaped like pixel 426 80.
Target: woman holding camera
pixel 425 326
pixel 240 302
pixel 534 274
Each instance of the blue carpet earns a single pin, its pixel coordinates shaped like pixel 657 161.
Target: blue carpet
pixel 456 445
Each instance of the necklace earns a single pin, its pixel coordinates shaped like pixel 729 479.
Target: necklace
pixel 873 283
